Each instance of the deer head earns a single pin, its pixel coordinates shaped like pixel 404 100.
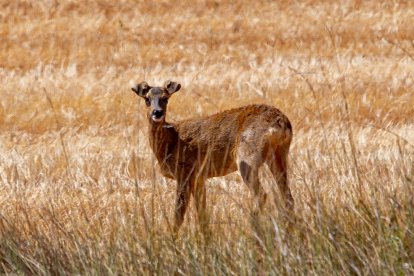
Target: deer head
pixel 156 98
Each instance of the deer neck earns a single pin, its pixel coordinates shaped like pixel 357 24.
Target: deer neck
pixel 162 139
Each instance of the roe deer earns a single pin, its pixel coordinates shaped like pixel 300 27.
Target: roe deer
pixel 192 151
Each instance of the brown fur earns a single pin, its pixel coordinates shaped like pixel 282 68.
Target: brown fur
pixel 241 139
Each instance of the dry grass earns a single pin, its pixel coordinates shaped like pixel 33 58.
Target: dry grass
pixel 79 188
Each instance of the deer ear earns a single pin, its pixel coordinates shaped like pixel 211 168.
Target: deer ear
pixel 141 89
pixel 172 87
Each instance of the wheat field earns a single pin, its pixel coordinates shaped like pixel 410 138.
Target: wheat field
pixel 80 191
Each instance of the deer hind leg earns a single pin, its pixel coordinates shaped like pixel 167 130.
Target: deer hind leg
pixel 249 161
pixel 277 163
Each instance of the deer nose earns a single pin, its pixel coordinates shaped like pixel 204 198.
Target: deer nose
pixel 158 113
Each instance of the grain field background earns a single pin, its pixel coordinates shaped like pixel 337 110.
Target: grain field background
pixel 80 191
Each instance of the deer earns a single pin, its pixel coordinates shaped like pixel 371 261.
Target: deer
pixel 192 151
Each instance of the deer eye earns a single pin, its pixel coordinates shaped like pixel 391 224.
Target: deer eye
pixel 164 100
pixel 147 102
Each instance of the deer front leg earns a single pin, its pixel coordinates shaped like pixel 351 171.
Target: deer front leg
pixel 182 199
pixel 199 193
